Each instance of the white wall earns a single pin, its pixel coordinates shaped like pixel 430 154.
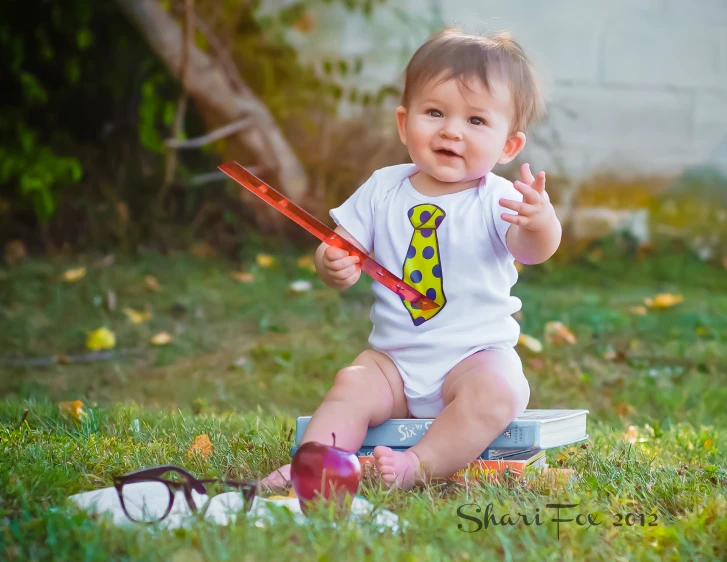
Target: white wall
pixel 633 86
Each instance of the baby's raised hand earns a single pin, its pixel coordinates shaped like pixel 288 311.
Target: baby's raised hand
pixel 535 211
pixel 341 267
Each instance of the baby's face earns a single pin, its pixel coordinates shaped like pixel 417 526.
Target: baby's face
pixel 456 133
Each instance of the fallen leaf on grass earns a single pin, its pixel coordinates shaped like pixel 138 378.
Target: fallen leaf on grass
pixel 137 317
pixel 530 343
pixel 243 276
pixel 639 310
pixel 201 445
pixel 62 359
pixel 300 286
pixel 624 409
pixel 151 283
pixel 202 250
pixel 103 338
pixel 632 434
pixel 240 362
pixel 73 275
pixel 615 355
pixel 111 300
pixel 162 338
pixel 307 262
pixel 557 333
pixel 663 300
pixel 72 409
pixel 264 260
pixel 106 261
pixel 565 455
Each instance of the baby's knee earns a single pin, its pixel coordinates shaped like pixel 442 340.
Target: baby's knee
pixel 349 378
pixel 353 383
pixel 497 399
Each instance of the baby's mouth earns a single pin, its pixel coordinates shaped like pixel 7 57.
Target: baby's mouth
pixel 448 153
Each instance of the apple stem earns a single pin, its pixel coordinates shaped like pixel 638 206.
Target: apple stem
pixel 334 438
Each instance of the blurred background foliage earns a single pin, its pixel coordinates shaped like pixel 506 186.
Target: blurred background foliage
pixel 87 106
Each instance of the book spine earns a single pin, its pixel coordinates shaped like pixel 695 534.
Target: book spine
pixel 407 433
pixel 487 454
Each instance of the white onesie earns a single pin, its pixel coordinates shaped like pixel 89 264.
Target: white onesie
pixel 456 255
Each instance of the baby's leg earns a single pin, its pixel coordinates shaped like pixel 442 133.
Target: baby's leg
pixel 482 395
pixel 366 393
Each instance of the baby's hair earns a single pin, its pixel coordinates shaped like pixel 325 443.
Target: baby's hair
pixel 452 53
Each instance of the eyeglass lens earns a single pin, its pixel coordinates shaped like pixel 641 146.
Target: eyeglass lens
pixel 147 501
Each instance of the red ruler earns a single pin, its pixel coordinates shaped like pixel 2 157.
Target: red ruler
pixel 322 232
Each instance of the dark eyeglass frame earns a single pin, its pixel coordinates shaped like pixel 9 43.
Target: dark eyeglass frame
pixel 189 483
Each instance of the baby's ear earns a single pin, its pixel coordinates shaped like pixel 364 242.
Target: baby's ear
pixel 401 116
pixel 512 147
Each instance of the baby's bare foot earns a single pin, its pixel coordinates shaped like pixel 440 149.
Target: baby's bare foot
pixel 397 469
pixel 278 478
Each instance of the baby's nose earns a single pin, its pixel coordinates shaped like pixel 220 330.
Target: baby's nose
pixel 451 131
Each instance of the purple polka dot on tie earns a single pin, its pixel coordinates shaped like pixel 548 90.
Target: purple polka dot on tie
pixel 428 252
pixel 416 276
pixel 432 294
pixel 438 221
pixel 425 216
pixel 426 232
pixel 437 270
pixel 411 253
pixel 411 212
pixel 419 321
pixel 414 305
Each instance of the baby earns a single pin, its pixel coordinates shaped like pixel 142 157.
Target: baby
pixel 440 223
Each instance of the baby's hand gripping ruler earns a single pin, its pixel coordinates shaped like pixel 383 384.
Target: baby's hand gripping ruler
pixel 325 234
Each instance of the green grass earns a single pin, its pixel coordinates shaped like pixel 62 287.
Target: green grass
pixel 146 405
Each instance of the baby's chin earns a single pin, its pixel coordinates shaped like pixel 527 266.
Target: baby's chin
pixel 451 178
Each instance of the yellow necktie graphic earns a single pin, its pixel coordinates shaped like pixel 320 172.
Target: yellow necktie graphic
pixel 422 268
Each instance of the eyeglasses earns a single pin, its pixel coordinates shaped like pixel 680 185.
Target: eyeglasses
pixel 147 495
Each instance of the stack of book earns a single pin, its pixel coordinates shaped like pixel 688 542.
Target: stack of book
pixel 520 446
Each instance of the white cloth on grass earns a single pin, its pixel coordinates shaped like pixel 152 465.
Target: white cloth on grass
pixel 223 509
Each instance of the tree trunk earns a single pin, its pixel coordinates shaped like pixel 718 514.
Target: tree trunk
pixel 207 83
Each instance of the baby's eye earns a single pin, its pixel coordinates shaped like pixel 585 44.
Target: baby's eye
pixel 434 113
pixel 477 121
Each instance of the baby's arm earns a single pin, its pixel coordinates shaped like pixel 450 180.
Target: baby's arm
pixel 334 265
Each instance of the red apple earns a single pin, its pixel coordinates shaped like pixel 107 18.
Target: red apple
pixel 321 470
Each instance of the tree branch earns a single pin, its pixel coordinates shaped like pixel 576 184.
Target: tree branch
pixel 212 136
pixel 171 160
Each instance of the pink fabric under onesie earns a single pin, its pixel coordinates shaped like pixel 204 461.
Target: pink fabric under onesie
pixel 475 267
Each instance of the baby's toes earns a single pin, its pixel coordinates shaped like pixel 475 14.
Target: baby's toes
pixel 380 451
pixel 278 478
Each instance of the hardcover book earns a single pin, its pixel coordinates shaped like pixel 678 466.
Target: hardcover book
pixel 533 429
